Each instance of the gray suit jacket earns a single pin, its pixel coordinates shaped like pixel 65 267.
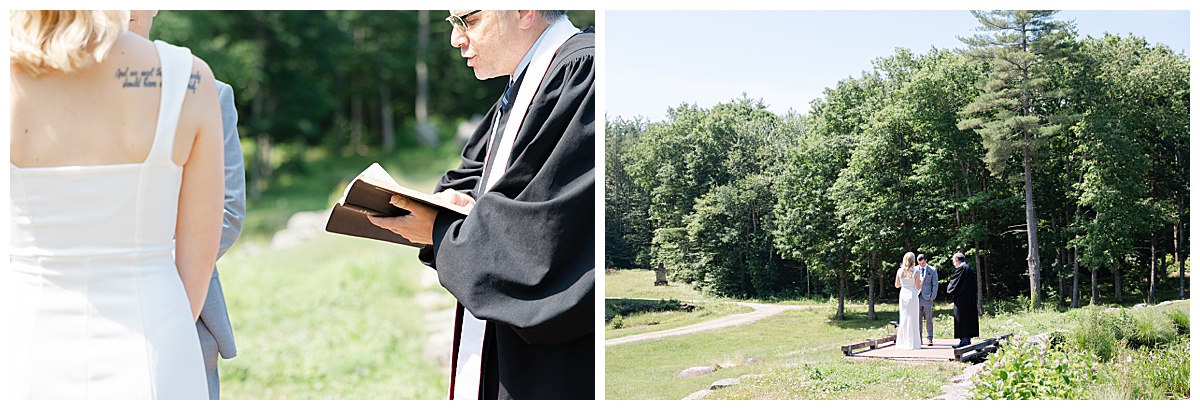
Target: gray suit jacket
pixel 214 316
pixel 929 283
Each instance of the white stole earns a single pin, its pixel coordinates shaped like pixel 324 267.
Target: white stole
pixel 466 374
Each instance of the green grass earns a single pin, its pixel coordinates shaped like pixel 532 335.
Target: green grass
pixel 639 283
pixel 798 352
pixel 790 348
pixel 656 321
pixel 333 318
pixel 781 344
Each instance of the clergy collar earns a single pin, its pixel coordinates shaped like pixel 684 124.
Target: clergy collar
pixel 529 54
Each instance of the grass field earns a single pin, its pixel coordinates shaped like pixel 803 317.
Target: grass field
pixel 797 354
pixel 334 317
pixel 797 351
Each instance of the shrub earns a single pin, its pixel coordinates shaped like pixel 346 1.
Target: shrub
pixel 1181 321
pixel 628 307
pixel 1150 328
pixel 1024 370
pixel 617 322
pixel 1097 334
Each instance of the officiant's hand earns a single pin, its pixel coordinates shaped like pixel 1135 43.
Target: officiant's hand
pixel 457 198
pixel 417 226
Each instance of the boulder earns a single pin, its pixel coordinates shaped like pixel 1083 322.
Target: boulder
pixel 723 383
pixel 696 371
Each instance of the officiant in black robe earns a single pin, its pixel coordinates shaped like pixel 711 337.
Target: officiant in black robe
pixel 962 289
pixel 523 260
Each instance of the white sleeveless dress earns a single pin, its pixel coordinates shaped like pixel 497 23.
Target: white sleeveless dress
pixel 99 309
pixel 908 332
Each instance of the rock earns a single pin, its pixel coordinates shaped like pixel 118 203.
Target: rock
pixel 751 376
pixel 696 371
pixel 301 227
pixel 1139 305
pixel 752 361
pixel 723 383
pixel 960 386
pixel 698 395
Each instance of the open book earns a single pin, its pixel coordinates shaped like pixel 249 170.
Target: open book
pixel 370 193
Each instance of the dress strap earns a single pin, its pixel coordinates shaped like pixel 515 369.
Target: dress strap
pixel 176 65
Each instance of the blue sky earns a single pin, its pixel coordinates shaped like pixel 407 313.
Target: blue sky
pixel 660 59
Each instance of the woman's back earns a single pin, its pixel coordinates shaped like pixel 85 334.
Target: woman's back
pixel 103 114
pixel 115 207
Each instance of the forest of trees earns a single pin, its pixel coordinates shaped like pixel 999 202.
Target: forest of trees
pixel 346 81
pixel 1053 162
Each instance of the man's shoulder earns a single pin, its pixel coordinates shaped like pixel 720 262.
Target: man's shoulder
pixel 581 44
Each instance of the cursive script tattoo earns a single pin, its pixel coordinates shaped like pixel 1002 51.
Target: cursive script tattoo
pixel 193 80
pixel 130 78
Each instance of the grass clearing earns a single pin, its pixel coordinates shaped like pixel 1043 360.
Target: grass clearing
pixel 656 321
pixel 314 322
pixel 638 284
pixel 781 345
pixel 797 353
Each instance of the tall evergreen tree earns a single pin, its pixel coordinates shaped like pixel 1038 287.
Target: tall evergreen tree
pixel 1011 113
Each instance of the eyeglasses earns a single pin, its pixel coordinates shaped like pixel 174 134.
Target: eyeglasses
pixel 460 21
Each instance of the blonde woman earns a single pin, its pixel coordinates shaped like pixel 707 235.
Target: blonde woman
pixel 116 195
pixel 908 332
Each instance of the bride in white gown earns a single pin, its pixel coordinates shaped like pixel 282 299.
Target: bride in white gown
pixel 115 205
pixel 908 332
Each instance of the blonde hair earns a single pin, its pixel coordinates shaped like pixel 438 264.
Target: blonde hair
pixel 907 264
pixel 63 40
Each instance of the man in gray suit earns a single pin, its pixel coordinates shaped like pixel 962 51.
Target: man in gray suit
pixel 929 288
pixel 216 333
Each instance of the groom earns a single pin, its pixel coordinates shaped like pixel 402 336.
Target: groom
pixel 929 288
pixel 962 289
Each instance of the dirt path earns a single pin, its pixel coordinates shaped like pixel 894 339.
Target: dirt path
pixel 760 311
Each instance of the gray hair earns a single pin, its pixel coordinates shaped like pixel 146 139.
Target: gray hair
pixel 551 15
pixel 958 256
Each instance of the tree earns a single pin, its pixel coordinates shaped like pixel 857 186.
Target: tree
pixel 627 229
pixel 806 224
pixel 1011 111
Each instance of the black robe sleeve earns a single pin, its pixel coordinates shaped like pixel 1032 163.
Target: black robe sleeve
pixel 468 174
pixel 525 256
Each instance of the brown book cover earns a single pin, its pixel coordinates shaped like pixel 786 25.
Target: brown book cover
pixel 370 193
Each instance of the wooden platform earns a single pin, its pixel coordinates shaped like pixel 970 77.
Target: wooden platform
pixel 942 349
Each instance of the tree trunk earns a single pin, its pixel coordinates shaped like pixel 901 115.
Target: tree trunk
pixel 387 118
pixel 1075 280
pixel 1117 280
pixel 841 311
pixel 1180 239
pixel 356 124
pixel 1062 280
pixel 1153 266
pixel 425 132
pixel 1035 296
pixel 1095 289
pixel 975 243
pixel 871 288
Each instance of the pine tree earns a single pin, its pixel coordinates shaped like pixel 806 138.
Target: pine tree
pixel 1014 112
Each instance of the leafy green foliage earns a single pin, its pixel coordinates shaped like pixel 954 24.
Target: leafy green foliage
pixel 1024 370
pixel 626 307
pixel 933 153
